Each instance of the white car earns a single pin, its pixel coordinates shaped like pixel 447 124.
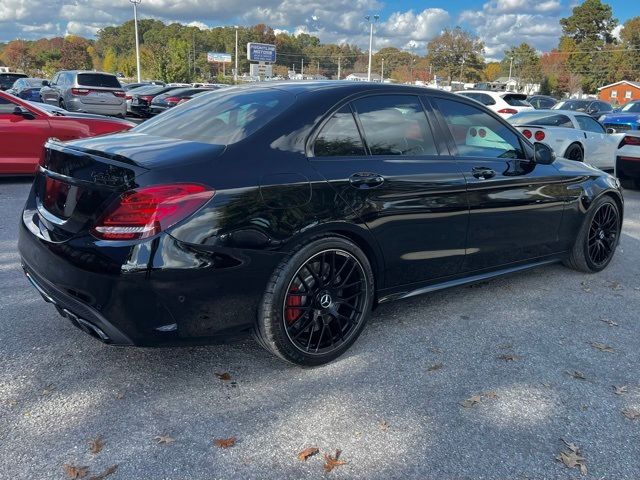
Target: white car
pixel 572 135
pixel 504 104
pixel 628 160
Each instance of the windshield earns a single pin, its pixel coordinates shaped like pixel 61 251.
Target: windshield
pixel 221 117
pixel 34 82
pixel 98 80
pixel 631 107
pixel 543 119
pixel 575 105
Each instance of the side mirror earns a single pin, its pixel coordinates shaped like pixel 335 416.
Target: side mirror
pixel 23 112
pixel 45 83
pixel 611 130
pixel 543 154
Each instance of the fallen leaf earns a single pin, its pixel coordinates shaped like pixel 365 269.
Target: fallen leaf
pixel 384 426
pixel 166 439
pixel 585 286
pixel 225 442
pixel 74 472
pixel 609 322
pixel 490 395
pixel 48 390
pixel 332 462
pixel 616 286
pixel 508 358
pixel 631 413
pixel 573 458
pixel 434 367
pixel 95 445
pixel 101 476
pixel 621 390
pixel 577 375
pixel 223 376
pixel 307 452
pixel 471 401
pixel 602 347
pixel 435 350
pixel 120 395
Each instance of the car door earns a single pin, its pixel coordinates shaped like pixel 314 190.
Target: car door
pixel 22 138
pixel 48 93
pixel 515 205
pixel 381 156
pixel 600 148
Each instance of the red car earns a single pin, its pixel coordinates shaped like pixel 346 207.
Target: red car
pixel 25 127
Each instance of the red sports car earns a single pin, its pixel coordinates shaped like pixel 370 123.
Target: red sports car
pixel 25 127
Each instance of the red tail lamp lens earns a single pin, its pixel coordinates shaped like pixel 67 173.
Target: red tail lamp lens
pixel 539 136
pixel 119 94
pixel 473 132
pixel 482 133
pixel 80 91
pixel 510 111
pixel 144 212
pixel 527 133
pixel 630 140
pixel 172 99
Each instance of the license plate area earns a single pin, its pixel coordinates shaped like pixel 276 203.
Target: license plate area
pixel 59 198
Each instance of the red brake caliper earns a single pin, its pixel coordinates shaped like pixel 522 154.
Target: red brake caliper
pixel 292 314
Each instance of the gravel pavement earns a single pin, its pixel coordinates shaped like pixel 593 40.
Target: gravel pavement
pixel 392 404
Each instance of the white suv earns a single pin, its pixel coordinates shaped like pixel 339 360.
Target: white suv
pixel 504 104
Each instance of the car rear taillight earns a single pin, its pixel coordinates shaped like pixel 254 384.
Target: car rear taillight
pixel 539 136
pixel 509 111
pixel 482 133
pixel 172 99
pixel 146 98
pixel 146 211
pixel 630 140
pixel 80 91
pixel 119 93
pixel 527 133
pixel 128 97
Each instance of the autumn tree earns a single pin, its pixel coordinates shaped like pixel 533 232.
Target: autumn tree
pixel 457 54
pixel 74 54
pixel 17 56
pixel 492 71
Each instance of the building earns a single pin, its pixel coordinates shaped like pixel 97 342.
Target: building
pixel 362 77
pixel 620 92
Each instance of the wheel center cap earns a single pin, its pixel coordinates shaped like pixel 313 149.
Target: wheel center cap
pixel 325 300
pixel 601 235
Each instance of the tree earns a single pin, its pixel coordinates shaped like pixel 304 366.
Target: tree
pixel 16 55
pixel 590 27
pixel 109 63
pixel 457 54
pixel 630 57
pixel 526 63
pixel 74 54
pixel 492 71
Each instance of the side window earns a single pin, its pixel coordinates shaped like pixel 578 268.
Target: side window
pixel 55 79
pixel 395 125
pixel 6 106
pixel 339 137
pixel 477 134
pixel 589 124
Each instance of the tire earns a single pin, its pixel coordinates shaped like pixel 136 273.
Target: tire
pixel 581 257
pixel 61 104
pixel 288 318
pixel 574 152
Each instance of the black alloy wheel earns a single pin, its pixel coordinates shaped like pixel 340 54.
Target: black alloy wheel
pixel 574 152
pixel 603 234
pixel 325 302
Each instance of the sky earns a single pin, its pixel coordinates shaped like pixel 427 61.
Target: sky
pixel 406 24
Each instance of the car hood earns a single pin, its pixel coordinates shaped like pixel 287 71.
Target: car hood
pixel 621 117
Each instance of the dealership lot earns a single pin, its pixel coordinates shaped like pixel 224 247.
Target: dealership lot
pixel 392 403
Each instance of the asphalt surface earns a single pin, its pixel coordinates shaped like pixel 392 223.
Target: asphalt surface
pixel 380 404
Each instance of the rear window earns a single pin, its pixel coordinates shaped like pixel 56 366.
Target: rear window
pixel 541 119
pixel 9 78
pixel 222 118
pixel 516 100
pixel 480 97
pixel 98 80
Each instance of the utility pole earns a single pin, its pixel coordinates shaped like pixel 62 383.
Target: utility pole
pixel 375 19
pixel 302 69
pixel 318 68
pixel 339 65
pixel 135 22
pixel 382 72
pixel 235 75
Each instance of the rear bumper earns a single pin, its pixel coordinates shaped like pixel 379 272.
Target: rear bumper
pixel 628 167
pixel 76 105
pixel 156 293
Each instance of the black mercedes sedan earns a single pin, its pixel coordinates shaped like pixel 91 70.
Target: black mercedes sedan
pixel 290 210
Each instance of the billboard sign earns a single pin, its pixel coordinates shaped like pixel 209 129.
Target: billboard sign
pixel 261 52
pixel 217 57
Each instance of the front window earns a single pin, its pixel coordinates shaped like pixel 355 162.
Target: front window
pixel 478 134
pixel 589 124
pixel 6 106
pixel 222 117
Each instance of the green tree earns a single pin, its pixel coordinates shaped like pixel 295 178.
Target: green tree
pixel 526 63
pixel 457 54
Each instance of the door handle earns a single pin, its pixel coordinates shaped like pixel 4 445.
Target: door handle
pixel 366 180
pixel 482 173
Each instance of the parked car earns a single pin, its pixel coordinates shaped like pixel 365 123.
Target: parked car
pixel 627 118
pixel 572 135
pixel 504 104
pixel 140 102
pixel 86 91
pixel 595 108
pixel 541 102
pixel 28 88
pixel 161 103
pixel 26 126
pixel 289 210
pixel 628 160
pixel 7 79
pixel 131 86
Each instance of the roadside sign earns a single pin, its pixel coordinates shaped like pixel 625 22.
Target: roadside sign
pixel 261 70
pixel 261 52
pixel 217 57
